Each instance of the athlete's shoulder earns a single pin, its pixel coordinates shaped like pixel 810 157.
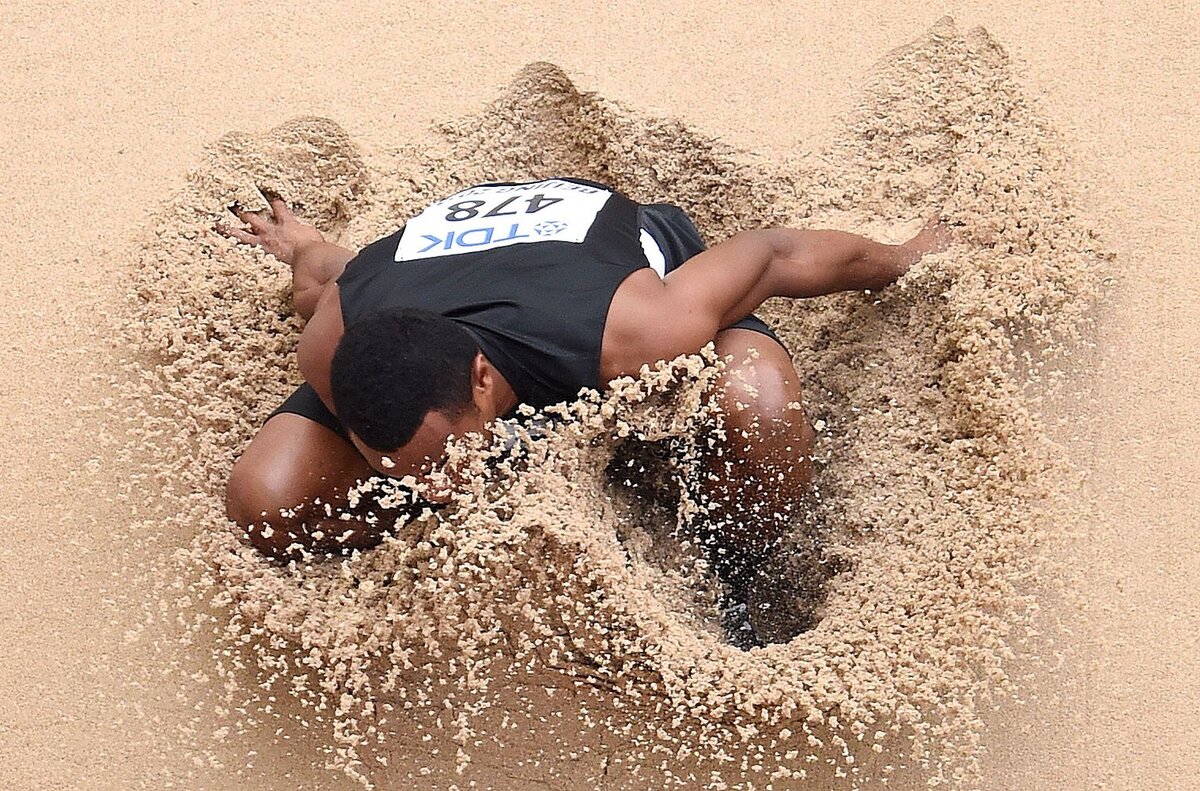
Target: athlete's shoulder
pixel 634 327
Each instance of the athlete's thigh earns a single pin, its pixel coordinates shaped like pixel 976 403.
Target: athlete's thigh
pixel 292 460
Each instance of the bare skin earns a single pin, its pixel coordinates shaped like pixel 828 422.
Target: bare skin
pixel 296 466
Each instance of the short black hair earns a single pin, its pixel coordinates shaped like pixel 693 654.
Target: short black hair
pixel 393 367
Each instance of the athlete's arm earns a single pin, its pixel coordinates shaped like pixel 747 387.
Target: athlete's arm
pixel 726 283
pixel 318 342
pixel 315 262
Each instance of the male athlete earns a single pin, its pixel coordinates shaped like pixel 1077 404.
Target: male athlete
pixel 524 293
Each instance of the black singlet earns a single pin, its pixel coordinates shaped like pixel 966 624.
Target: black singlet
pixel 529 269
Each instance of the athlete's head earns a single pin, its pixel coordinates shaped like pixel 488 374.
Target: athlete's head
pixel 402 376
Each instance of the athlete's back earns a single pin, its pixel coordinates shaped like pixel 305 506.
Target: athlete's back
pixel 529 269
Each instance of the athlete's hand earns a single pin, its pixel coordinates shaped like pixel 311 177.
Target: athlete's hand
pixel 277 231
pixel 934 237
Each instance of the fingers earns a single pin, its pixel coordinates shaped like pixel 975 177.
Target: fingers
pixel 256 221
pixel 252 236
pixel 280 209
pixel 241 235
pixel 262 224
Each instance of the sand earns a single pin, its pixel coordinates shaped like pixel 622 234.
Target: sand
pixel 915 637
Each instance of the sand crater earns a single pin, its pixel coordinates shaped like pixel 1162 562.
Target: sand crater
pixel 934 468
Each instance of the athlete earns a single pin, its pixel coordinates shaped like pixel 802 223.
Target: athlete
pixel 525 293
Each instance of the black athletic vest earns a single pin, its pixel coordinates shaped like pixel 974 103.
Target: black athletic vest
pixel 528 269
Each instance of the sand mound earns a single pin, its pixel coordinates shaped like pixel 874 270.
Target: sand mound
pixel 541 631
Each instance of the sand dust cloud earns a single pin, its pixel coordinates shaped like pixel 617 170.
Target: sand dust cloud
pixel 554 627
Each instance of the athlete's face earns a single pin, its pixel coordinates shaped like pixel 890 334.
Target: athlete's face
pixel 426 451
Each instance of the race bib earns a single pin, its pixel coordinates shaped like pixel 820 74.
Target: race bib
pixel 484 218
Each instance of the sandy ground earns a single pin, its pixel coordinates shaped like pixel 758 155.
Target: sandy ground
pixel 105 106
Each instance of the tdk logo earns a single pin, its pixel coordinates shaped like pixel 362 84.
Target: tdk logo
pixel 549 228
pixel 482 237
pixel 475 237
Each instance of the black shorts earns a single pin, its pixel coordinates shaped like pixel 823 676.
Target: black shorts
pixel 673 232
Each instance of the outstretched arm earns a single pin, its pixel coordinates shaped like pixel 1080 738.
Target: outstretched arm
pixel 728 282
pixel 732 279
pixel 314 261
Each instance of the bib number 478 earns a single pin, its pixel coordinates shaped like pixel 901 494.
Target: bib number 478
pixel 469 209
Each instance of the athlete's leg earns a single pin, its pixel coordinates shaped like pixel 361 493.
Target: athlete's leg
pixel 763 467
pixel 290 484
pixel 754 480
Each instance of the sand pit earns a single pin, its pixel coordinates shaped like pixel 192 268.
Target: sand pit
pixel 547 629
